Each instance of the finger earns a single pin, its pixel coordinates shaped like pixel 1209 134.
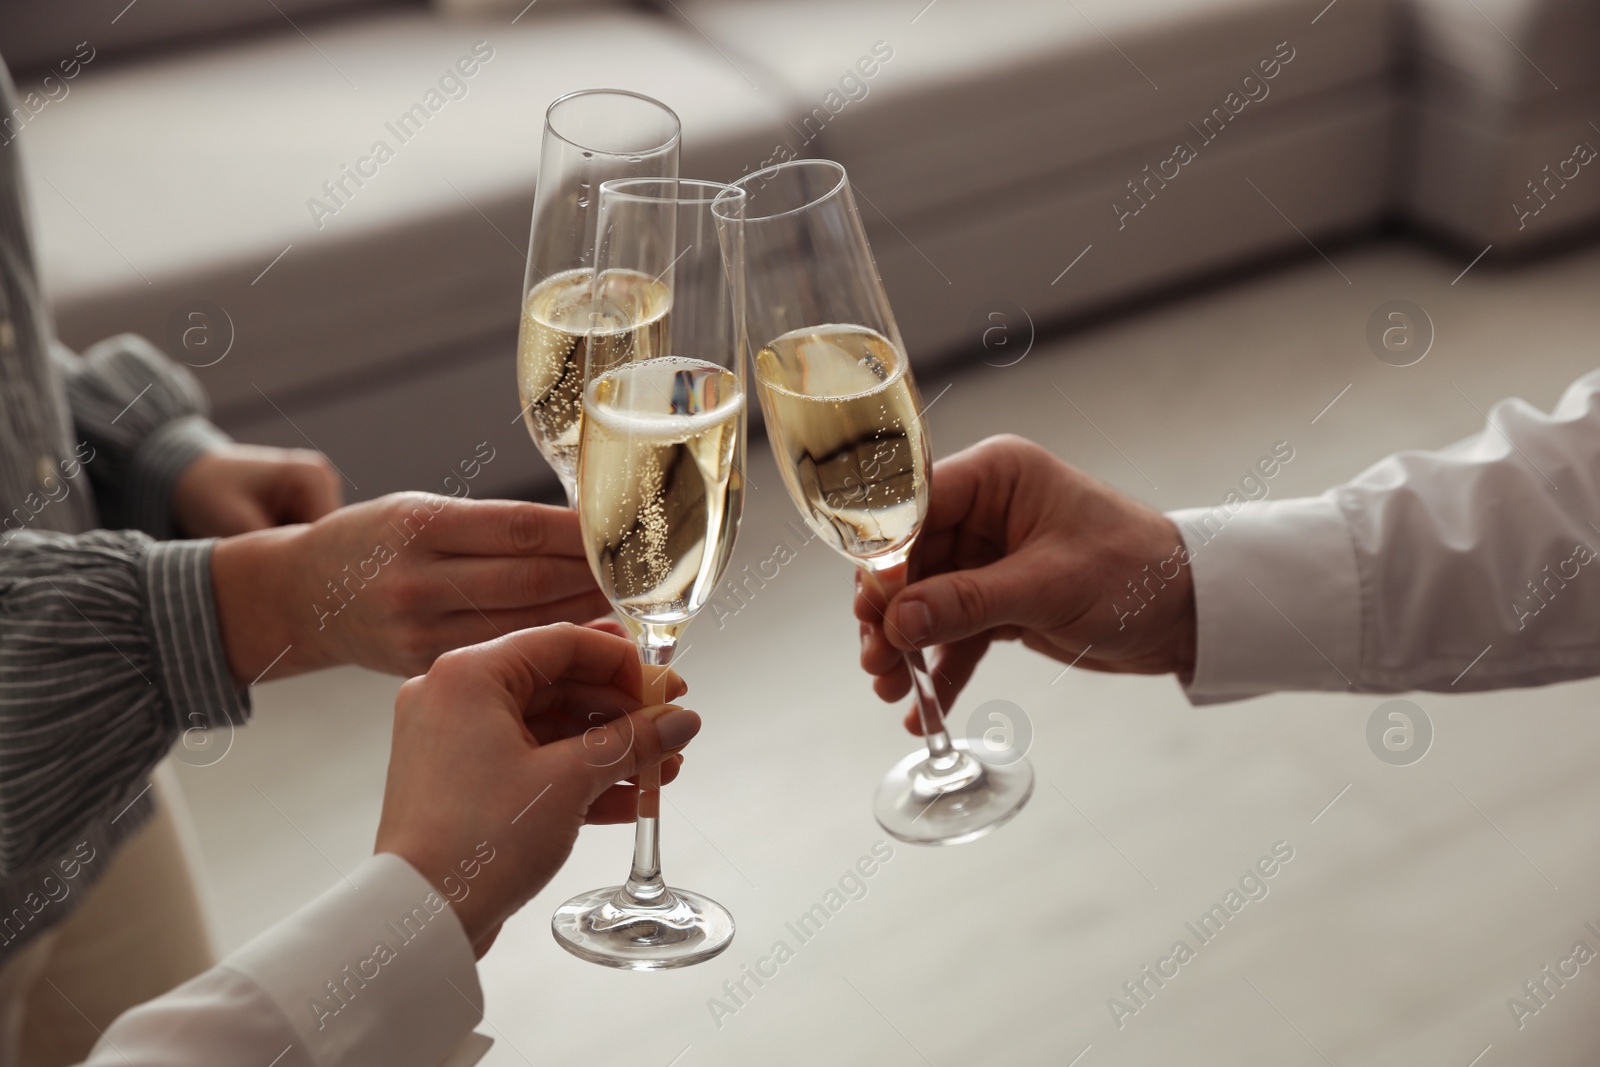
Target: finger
pixel 878 656
pixel 670 767
pixel 894 685
pixel 585 767
pixel 620 803
pixel 960 604
pixel 870 603
pixel 973 477
pixel 567 708
pixel 521 663
pixel 953 666
pixel 486 942
pixel 319 491
pixel 472 624
pixel 519 582
pixel 607 625
pixel 499 528
pixel 660 683
pixel 241 514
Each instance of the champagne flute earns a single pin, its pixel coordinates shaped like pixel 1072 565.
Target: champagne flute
pixel 590 137
pixel 660 493
pixel 844 419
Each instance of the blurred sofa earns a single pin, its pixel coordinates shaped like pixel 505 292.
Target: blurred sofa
pixel 208 174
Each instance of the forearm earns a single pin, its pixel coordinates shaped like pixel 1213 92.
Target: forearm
pixel 111 652
pixel 255 578
pixel 377 970
pixel 142 417
pixel 1462 569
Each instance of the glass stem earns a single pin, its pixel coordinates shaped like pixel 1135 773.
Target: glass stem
pixel 941 754
pixel 569 486
pixel 943 757
pixel 645 887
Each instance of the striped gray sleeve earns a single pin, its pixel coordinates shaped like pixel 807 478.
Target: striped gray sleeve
pixel 109 651
pixel 145 417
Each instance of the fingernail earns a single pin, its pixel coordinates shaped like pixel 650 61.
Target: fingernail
pixel 676 727
pixel 916 623
pixel 866 636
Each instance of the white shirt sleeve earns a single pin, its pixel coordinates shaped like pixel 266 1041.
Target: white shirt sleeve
pixel 1473 567
pixel 375 971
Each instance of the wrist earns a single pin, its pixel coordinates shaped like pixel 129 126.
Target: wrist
pixel 1176 627
pixel 1185 633
pixel 255 578
pixel 473 910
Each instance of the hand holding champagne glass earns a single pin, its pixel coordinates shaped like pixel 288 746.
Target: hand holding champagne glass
pixel 660 491
pixel 589 137
pixel 843 416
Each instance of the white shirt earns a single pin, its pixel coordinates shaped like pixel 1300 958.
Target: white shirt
pixel 1473 567
pixel 375 971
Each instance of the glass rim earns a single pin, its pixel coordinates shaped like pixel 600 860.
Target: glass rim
pixel 617 189
pixel 664 146
pixel 767 172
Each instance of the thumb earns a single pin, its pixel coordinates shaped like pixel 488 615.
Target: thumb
pixel 949 607
pixel 242 513
pixel 317 492
pixel 606 754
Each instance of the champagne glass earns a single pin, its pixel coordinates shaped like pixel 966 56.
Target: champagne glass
pixel 844 419
pixel 590 137
pixel 660 493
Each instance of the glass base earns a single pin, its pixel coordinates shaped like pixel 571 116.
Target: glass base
pixel 922 804
pixel 605 927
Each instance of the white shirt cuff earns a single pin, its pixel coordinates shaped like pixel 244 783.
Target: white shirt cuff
pixel 376 970
pixel 1277 598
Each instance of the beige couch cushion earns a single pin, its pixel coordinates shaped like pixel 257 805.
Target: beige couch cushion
pixel 1507 50
pixel 1507 94
pixel 162 182
pixel 982 96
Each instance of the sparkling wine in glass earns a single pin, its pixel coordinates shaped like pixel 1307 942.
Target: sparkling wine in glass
pixel 590 137
pixel 660 490
pixel 845 422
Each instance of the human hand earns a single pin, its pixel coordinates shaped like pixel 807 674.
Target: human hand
pixel 235 489
pixel 503 750
pixel 394 582
pixel 1018 545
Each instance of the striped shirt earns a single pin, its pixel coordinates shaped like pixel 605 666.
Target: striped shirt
pixel 109 643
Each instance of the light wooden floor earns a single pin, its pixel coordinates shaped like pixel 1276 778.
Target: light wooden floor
pixel 1413 907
